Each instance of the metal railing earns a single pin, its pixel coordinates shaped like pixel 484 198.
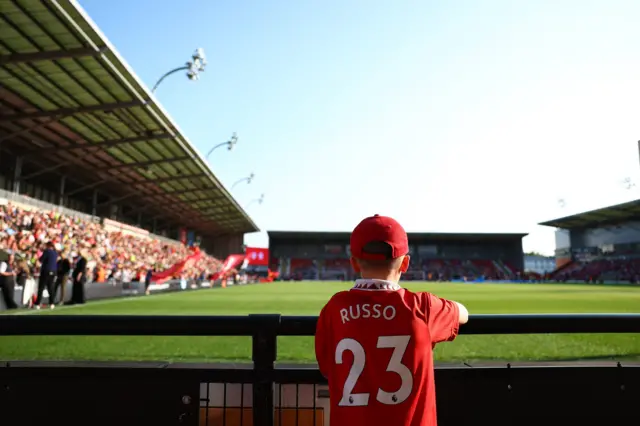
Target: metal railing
pixel 280 325
pixel 264 376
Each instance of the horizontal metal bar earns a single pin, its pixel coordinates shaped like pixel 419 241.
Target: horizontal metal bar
pixel 126 325
pixel 510 324
pixel 67 111
pixel 143 163
pixel 137 325
pixel 103 144
pixel 41 172
pixel 189 191
pixel 18 58
pixel 155 181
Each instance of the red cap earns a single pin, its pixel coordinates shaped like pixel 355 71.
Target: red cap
pixel 379 228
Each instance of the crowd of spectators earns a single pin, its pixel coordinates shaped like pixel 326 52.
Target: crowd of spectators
pixel 110 255
pixel 425 269
pixel 601 270
pixel 620 269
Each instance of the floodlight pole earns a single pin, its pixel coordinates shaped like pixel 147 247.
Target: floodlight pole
pixel 258 200
pixel 173 71
pixel 194 67
pixel 248 179
pixel 230 144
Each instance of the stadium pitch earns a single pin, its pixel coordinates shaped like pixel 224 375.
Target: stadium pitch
pixel 307 298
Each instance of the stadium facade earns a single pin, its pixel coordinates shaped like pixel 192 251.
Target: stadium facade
pixel 80 133
pixel 599 245
pixel 325 255
pixel 609 231
pixel 539 264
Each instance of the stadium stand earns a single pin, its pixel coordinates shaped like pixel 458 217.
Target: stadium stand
pixel 90 160
pixel 79 130
pixel 601 245
pixel 112 254
pixel 435 257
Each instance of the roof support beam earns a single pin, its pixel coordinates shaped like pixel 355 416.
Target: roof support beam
pixel 143 207
pixel 219 210
pixel 187 191
pixel 117 200
pixel 188 202
pixel 19 58
pixel 105 144
pixel 170 179
pixel 143 163
pixel 42 171
pixel 213 199
pixel 67 111
pixel 28 130
pixel 85 187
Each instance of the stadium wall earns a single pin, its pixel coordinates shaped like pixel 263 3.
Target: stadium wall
pixel 97 291
pixel 224 245
pixel 319 246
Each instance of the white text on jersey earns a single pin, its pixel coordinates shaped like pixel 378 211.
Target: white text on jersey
pixel 367 310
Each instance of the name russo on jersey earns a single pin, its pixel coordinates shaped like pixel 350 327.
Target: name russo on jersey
pixel 367 310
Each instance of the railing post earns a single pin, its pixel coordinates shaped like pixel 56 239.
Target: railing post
pixel 264 353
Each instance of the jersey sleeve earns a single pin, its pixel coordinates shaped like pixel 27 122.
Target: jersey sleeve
pixel 322 341
pixel 443 318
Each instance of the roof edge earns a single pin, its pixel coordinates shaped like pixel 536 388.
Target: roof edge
pixel 553 223
pixel 146 98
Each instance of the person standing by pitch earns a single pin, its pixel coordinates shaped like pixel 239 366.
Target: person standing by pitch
pixel 48 270
pixel 79 277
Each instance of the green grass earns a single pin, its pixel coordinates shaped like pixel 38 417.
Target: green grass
pixel 307 298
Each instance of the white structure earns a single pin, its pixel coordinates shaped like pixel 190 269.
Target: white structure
pixel 539 264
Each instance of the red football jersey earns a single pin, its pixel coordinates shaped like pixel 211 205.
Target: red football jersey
pixel 374 345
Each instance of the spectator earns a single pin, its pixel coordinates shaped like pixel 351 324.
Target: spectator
pixel 147 281
pixel 48 269
pixel 7 282
pixel 79 279
pixel 64 267
pixel 23 273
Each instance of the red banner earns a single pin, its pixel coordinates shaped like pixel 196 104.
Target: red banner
pixel 231 262
pixel 176 269
pixel 257 256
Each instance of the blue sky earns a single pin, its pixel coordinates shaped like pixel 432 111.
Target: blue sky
pixel 466 116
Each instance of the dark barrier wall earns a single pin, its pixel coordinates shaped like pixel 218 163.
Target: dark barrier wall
pixel 96 291
pixel 171 394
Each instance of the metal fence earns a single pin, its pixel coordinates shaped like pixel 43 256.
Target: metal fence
pixel 265 393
